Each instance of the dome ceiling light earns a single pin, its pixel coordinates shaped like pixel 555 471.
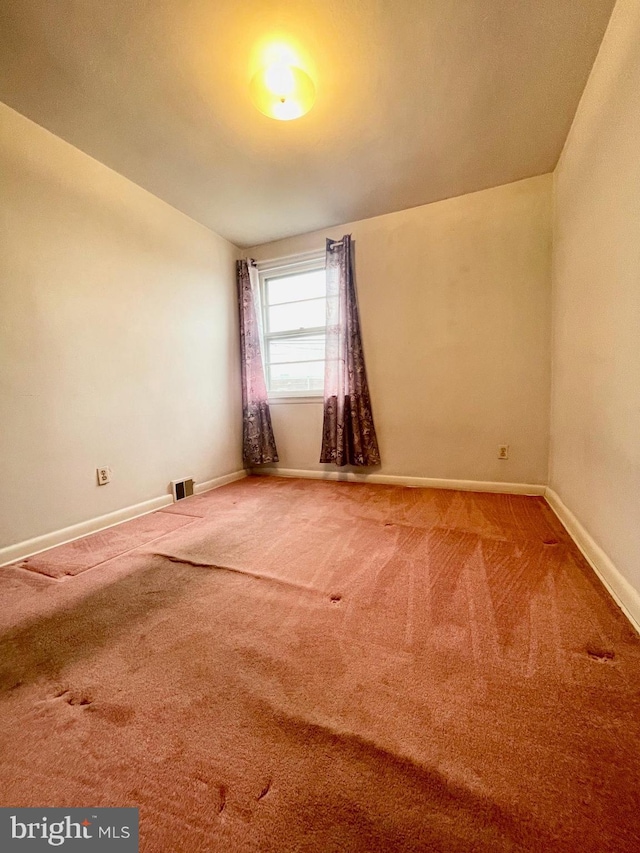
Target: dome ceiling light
pixel 282 91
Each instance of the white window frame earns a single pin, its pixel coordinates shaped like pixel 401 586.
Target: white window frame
pixel 290 265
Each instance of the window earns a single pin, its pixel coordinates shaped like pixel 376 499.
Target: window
pixel 294 309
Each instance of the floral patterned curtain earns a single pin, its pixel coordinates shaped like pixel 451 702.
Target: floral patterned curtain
pixel 258 443
pixel 348 433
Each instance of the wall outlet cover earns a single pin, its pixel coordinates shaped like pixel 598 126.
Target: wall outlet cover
pixel 104 475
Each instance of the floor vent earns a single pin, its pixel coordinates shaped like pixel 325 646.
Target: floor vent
pixel 182 488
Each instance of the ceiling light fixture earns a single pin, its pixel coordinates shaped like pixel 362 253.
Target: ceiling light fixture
pixel 282 91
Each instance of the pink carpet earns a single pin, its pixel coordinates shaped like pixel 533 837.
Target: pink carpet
pixel 316 666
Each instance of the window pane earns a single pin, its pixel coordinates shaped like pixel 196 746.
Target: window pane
pixel 297 315
pixel 296 377
pixel 304 285
pixel 296 349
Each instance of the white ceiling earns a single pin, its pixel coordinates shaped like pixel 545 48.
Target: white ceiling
pixel 418 100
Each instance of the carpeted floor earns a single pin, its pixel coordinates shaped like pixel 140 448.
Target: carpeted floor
pixel 318 666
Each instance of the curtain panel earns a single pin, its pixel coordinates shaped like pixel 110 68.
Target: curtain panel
pixel 348 431
pixel 258 443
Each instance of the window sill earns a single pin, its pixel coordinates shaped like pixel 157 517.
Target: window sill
pixel 307 398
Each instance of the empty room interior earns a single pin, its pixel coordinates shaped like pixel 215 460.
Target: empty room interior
pixel 320 426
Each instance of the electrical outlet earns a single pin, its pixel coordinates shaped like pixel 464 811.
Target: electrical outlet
pixel 503 451
pixel 104 475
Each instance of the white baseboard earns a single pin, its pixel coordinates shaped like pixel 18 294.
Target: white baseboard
pixel 207 485
pixel 414 482
pixel 30 547
pixel 626 597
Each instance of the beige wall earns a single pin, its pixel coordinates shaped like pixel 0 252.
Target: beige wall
pixel 595 455
pixel 118 339
pixel 455 309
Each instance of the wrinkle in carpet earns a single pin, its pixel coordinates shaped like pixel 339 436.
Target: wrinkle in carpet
pixel 88 552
